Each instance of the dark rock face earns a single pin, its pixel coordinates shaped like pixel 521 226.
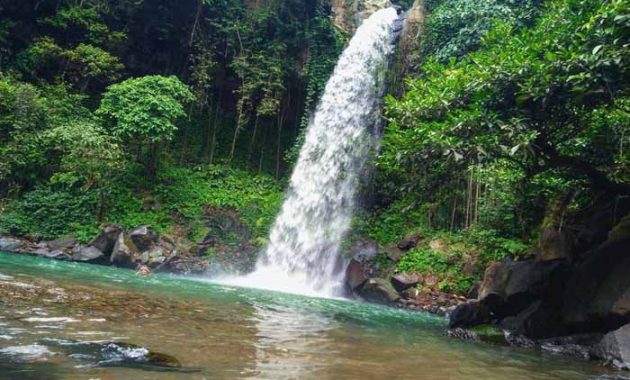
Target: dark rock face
pixel 554 244
pixel 106 240
pixel 469 314
pixel 552 302
pixel 404 281
pixel 356 275
pixel 143 237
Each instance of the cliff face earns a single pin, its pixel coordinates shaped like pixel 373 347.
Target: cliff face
pixel 348 14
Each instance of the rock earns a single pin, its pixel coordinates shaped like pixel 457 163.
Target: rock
pixel 394 253
pixel 10 244
pixel 473 292
pixel 534 322
pixel 364 249
pixel 469 314
pixel 403 281
pixel 597 294
pixel 356 275
pixel 106 240
pixel 554 244
pixel 614 348
pixel 410 241
pixel 143 237
pixel 124 252
pixel 378 290
pixel 61 244
pixel 187 265
pixel 57 255
pixel 87 254
pixel 509 287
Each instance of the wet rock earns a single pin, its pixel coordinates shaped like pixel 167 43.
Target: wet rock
pixel 378 290
pixel 410 241
pixel 404 281
pixel 107 238
pixel 87 254
pixel 10 244
pixel 614 348
pixel 469 314
pixel 143 237
pixel 356 275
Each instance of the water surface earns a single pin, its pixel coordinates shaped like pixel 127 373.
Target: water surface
pixel 57 318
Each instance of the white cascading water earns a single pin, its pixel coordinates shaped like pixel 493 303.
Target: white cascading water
pixel 303 254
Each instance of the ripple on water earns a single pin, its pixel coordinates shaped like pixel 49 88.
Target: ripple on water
pixel 32 352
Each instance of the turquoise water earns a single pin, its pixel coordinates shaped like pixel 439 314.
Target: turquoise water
pixel 57 321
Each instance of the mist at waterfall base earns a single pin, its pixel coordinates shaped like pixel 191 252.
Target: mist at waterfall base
pixel 303 254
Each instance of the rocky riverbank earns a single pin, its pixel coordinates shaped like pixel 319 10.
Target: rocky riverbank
pixel 563 301
pixel 133 248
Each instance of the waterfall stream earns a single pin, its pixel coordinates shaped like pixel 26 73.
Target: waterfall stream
pixel 303 254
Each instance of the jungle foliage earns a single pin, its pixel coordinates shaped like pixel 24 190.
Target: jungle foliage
pixel 494 129
pixel 100 101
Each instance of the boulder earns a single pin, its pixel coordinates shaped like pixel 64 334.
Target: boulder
pixel 378 290
pixel 509 287
pixel 597 294
pixel 186 265
pixel 356 275
pixel 614 348
pixel 410 241
pixel 143 237
pixel 10 244
pixel 394 253
pixel 87 254
pixel 404 281
pixel 159 253
pixel 61 244
pixel 469 314
pixel 554 244
pixel 124 252
pixel 106 240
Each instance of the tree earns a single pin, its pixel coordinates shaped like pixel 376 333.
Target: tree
pixel 146 110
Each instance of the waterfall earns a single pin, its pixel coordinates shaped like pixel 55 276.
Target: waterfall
pixel 303 254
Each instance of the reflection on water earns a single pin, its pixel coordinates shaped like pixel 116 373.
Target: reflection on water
pixel 74 321
pixel 289 342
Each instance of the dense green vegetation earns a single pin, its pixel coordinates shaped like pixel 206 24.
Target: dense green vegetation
pixel 128 111
pixel 518 108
